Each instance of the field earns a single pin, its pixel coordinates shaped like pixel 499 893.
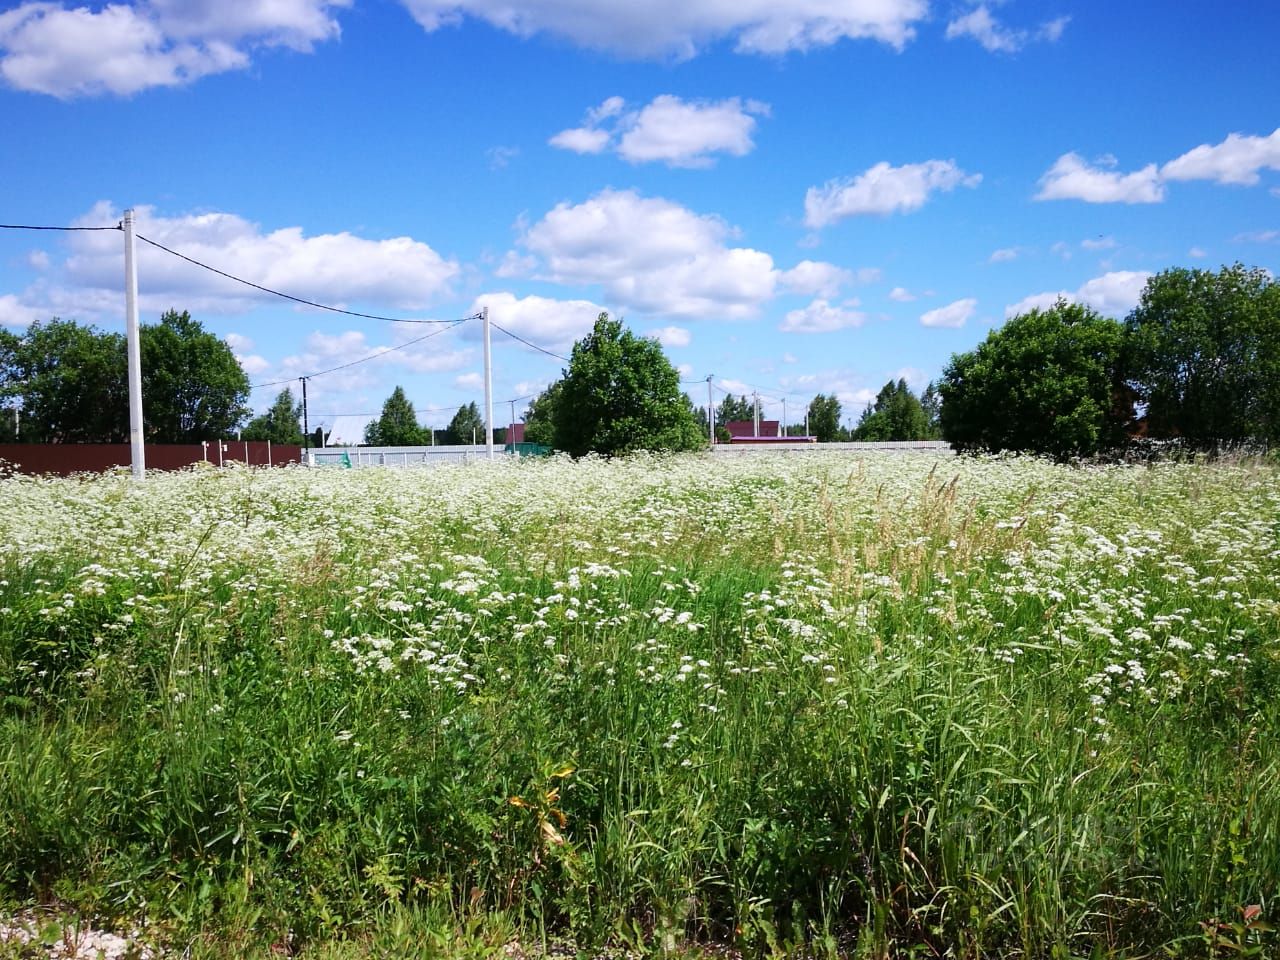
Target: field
pixel 866 706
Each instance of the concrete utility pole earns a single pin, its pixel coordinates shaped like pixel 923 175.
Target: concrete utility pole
pixel 511 434
pixel 137 452
pixel 756 396
pixel 488 385
pixel 711 412
pixel 306 426
pixel 782 427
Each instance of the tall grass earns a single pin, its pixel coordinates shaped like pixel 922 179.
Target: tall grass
pixel 864 706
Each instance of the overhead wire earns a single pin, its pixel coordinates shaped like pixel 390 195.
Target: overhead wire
pixel 27 226
pixel 372 356
pixel 277 293
pixel 526 342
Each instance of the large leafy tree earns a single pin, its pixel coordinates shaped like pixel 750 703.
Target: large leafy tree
pixel 621 394
pixel 1046 382
pixel 895 415
pixel 70 382
pixel 1204 355
pixel 540 418
pixel 193 388
pixel 398 424
pixel 824 418
pixel 467 426
pixel 281 424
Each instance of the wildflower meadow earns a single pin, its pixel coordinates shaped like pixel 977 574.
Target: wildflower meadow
pixel 815 704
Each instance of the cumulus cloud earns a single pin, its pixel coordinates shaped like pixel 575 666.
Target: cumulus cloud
pixel 981 24
pixel 680 28
pixel 883 189
pixel 1073 178
pixel 549 323
pixel 669 130
pixel 122 48
pixel 1003 255
pixel 1112 294
pixel 335 268
pixel 901 295
pixel 671 336
pixel 652 255
pixel 813 278
pixel 15 313
pixel 953 315
pixel 823 317
pixel 1099 243
pixel 1236 160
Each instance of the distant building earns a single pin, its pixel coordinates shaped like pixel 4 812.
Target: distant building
pixel 743 432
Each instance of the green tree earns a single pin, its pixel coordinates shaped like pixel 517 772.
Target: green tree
pixel 398 424
pixel 539 419
pixel 467 426
pixel 281 424
pixel 193 387
pixel 734 408
pixel 1046 382
pixel 931 404
pixel 620 394
pixel 70 381
pixel 824 418
pixel 1203 354
pixel 895 415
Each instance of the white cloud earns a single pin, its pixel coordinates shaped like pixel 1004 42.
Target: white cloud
pixel 901 295
pixel 953 315
pixel 822 317
pixel 253 364
pixel 685 370
pixel 883 189
pixel 1003 255
pixel 1236 160
pixel 790 358
pixel 681 27
pixel 1072 178
pixel 469 381
pixel 1197 253
pixel 551 324
pixel 1112 294
pixel 651 255
pixel 15 313
pixel 980 24
pixel 500 156
pixel 1099 243
pixel 335 268
pixel 671 336
pixel 38 260
pixel 813 278
pixel 581 140
pixel 676 132
pixel 1257 236
pixel 238 342
pixel 46 47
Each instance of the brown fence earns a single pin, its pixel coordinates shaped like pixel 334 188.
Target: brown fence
pixel 67 458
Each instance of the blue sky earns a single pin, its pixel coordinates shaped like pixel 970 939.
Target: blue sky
pixel 798 196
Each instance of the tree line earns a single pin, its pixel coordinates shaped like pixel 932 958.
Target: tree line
pixel 1198 360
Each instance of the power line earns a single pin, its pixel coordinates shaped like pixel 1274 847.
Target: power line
pixel 277 293
pixel 372 356
pixel 27 226
pixel 527 343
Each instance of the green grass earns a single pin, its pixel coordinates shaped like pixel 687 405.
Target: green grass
pixel 871 707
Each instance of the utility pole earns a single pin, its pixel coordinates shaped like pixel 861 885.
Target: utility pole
pixel 511 434
pixel 137 452
pixel 488 384
pixel 806 423
pixel 711 412
pixel 782 427
pixel 756 396
pixel 306 426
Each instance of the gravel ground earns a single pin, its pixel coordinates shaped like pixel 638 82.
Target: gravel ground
pixel 66 938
